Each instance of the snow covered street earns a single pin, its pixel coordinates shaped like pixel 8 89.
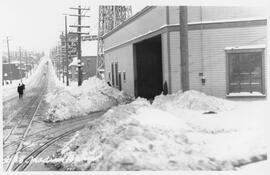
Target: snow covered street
pixel 182 131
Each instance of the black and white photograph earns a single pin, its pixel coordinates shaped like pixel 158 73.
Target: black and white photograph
pixel 95 86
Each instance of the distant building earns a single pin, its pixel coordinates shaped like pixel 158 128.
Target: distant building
pixel 227 51
pixel 12 71
pixel 88 69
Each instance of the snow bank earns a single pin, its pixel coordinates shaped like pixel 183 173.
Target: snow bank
pixel 192 100
pixel 159 119
pixel 93 95
pixel 141 136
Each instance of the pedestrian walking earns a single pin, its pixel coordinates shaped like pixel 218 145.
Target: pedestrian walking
pixel 23 88
pixel 19 89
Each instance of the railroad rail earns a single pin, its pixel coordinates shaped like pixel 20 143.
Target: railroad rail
pixel 24 123
pixel 26 161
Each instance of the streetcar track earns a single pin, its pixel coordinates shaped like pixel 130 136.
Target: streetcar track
pixel 14 115
pixel 69 122
pixel 20 121
pixel 31 111
pixel 53 129
pixel 27 160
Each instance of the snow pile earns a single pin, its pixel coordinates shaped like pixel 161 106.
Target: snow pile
pixel 117 141
pixel 139 136
pixel 160 119
pixel 94 95
pixel 192 100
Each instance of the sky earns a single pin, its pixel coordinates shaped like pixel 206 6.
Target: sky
pixel 37 24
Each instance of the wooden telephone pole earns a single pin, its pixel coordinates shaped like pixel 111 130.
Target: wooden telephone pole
pixel 184 48
pixel 79 27
pixel 66 44
pixel 10 71
pixel 26 62
pixel 62 56
pixel 20 50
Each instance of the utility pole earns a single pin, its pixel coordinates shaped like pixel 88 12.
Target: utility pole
pixel 62 56
pixel 66 43
pixel 79 27
pixel 20 62
pixel 63 65
pixel 26 62
pixel 10 71
pixel 184 48
pixel 59 57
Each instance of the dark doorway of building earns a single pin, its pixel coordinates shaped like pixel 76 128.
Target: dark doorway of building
pixel 148 67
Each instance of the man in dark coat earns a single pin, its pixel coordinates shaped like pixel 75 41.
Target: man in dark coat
pixel 19 89
pixel 23 88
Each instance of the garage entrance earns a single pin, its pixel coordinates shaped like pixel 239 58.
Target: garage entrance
pixel 148 67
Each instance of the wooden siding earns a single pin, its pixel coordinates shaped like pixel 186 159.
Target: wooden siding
pixel 124 57
pixel 217 13
pixel 205 48
pixel 151 21
pixel 214 56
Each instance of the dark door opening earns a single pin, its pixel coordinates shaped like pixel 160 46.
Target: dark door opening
pixel 148 67
pixel 120 81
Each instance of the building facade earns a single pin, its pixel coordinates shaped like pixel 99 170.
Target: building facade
pixel 227 51
pixel 88 68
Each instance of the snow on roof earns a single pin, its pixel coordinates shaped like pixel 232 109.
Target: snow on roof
pixel 15 62
pixel 259 46
pixel 74 62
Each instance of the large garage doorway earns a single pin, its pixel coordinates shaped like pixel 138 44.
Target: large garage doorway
pixel 148 67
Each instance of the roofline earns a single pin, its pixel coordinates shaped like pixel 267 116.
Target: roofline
pixel 191 26
pixel 129 20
